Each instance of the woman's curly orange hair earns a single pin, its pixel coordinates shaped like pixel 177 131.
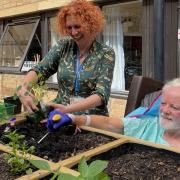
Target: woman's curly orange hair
pixel 90 14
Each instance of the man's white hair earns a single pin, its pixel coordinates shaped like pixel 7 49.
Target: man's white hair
pixel 173 83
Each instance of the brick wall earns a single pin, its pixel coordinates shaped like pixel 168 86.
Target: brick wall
pixel 13 3
pixel 8 83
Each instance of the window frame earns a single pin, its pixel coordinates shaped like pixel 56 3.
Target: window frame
pixel 17 22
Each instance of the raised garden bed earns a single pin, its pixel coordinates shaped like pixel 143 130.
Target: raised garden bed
pixel 128 161
pixel 59 145
pixel 135 161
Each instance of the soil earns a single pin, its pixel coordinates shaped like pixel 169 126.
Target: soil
pixel 5 170
pixel 135 162
pixel 58 145
pixel 128 161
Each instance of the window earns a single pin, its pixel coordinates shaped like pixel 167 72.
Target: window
pixel 53 37
pixel 15 44
pixel 123 33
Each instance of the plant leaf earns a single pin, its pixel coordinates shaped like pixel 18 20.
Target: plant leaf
pixel 30 84
pixel 96 167
pixel 83 167
pixel 18 88
pixel 15 97
pixel 21 160
pixel 101 176
pixel 26 93
pixel 40 164
pixel 65 176
pixel 29 171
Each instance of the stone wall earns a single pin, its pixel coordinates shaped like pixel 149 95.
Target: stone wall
pixel 14 3
pixel 10 8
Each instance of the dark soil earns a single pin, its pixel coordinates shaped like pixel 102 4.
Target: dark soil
pixel 129 161
pixel 58 145
pixel 5 170
pixel 135 162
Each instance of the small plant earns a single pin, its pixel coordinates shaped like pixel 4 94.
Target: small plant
pixel 92 172
pixel 18 164
pixel 38 89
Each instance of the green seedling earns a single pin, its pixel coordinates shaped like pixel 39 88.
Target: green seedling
pixel 94 171
pixel 18 164
pixel 38 89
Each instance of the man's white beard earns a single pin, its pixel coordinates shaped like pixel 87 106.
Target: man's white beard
pixel 168 123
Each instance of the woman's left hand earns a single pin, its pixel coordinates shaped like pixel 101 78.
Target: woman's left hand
pixel 60 107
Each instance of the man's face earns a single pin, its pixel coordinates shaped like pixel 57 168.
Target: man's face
pixel 170 108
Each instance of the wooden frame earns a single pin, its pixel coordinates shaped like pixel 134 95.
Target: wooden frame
pixel 68 163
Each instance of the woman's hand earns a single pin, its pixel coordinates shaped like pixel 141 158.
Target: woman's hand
pixel 27 99
pixel 60 107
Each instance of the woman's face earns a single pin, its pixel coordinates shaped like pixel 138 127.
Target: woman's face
pixel 77 30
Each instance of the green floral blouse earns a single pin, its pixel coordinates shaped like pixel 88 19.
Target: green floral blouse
pixel 95 77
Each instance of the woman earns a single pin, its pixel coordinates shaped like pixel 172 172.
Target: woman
pixel 84 66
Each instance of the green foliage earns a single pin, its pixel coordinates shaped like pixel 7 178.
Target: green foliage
pixel 6 112
pixel 92 172
pixel 38 89
pixel 18 164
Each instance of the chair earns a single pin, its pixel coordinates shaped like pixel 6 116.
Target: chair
pixel 140 87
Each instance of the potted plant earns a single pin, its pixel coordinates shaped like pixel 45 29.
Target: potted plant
pixel 14 101
pixel 6 112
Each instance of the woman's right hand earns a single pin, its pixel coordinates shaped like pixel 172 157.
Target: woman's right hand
pixel 27 99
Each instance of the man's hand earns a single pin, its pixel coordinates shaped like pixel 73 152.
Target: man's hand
pixel 57 119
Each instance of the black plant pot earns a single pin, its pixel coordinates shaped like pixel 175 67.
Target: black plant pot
pixel 16 102
pixel 40 114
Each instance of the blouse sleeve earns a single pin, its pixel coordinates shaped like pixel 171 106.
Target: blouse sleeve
pixel 103 86
pixel 49 64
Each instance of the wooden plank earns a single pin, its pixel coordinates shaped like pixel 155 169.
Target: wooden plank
pixel 107 133
pixel 90 153
pixel 8 149
pixel 75 159
pixel 42 173
pixel 132 139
